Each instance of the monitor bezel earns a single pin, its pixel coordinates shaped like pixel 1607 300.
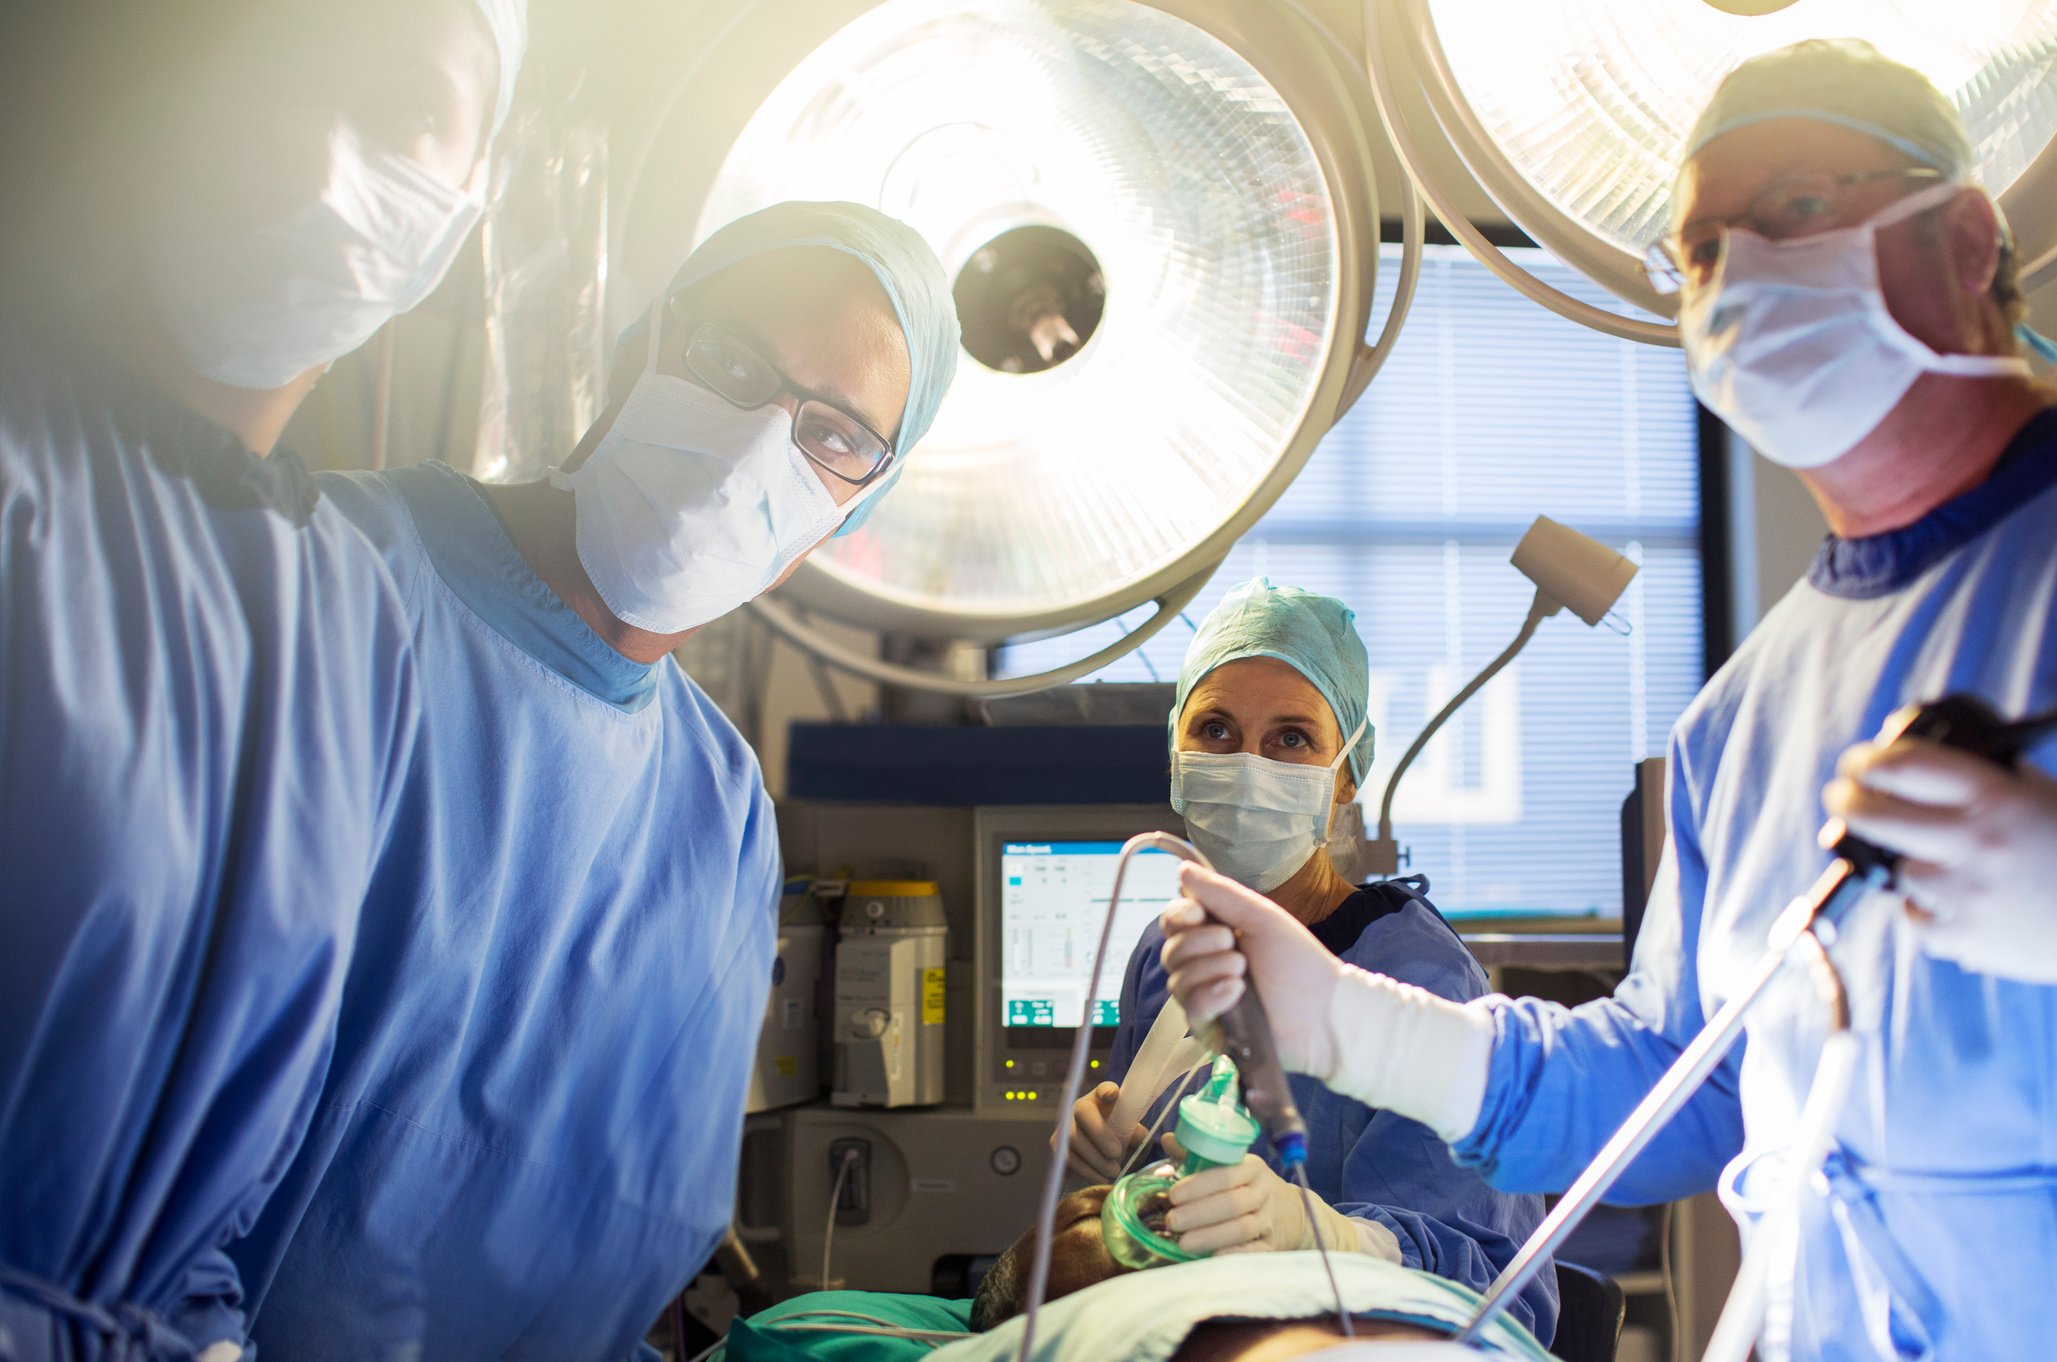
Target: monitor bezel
pixel 993 828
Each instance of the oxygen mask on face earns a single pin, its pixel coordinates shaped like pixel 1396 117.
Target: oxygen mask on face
pixel 1215 1131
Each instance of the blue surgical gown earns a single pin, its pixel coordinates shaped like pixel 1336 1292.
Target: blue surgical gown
pixel 206 699
pixel 1371 1164
pixel 1938 1234
pixel 529 1135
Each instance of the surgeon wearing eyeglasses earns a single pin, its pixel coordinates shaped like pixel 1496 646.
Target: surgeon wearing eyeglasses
pixel 1848 305
pixel 528 1139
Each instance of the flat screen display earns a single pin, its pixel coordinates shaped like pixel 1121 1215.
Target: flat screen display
pixel 1053 898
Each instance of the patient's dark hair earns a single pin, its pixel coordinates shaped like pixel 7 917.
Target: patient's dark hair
pixel 999 1294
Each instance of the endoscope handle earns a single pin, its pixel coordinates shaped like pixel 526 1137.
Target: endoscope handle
pixel 1963 722
pixel 1246 1038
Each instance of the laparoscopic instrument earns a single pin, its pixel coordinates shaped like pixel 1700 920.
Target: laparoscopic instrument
pixel 1963 722
pixel 1245 1036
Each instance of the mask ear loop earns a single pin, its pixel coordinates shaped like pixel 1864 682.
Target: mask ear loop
pixel 1914 205
pixel 1328 826
pixel 562 480
pixel 1951 362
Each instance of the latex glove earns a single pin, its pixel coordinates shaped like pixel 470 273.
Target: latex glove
pixel 1097 1152
pixel 1980 842
pixel 1247 1208
pixel 1389 1045
pixel 1219 933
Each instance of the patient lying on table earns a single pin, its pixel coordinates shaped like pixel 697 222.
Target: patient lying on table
pixel 1261 1307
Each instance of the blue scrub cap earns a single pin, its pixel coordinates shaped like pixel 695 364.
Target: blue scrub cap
pixel 1847 82
pixel 1315 635
pixel 906 269
pixel 1850 83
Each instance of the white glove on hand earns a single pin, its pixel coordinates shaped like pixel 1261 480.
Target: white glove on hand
pixel 1389 1045
pixel 1980 842
pixel 1097 1152
pixel 1247 1208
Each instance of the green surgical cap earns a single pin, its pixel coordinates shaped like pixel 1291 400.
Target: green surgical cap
pixel 906 269
pixel 1847 82
pixel 1315 635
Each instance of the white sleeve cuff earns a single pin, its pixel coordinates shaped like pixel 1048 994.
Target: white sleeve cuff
pixel 1403 1049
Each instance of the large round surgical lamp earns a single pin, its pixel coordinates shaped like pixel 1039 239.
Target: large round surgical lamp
pixel 1570 113
pixel 1161 225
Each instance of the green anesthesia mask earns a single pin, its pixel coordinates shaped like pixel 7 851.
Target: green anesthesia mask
pixel 1215 1131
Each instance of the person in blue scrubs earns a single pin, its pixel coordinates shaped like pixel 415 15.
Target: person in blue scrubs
pixel 208 694
pixel 528 1139
pixel 1848 305
pixel 1268 736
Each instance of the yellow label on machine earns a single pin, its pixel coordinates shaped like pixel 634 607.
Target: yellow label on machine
pixel 787 1065
pixel 932 997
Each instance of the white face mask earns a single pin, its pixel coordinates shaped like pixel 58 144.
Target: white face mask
pixel 689 506
pixel 257 306
pixel 1256 819
pixel 1792 343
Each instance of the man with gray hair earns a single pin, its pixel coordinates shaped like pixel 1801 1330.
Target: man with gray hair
pixel 1848 306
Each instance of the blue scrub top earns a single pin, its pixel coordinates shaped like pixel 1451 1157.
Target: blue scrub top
pixel 1373 1164
pixel 1939 1235
pixel 528 1139
pixel 206 700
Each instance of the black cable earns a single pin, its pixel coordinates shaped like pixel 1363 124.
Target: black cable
pixel 2029 730
pixel 1314 1228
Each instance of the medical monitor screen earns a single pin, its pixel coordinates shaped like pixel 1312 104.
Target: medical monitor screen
pixel 1053 898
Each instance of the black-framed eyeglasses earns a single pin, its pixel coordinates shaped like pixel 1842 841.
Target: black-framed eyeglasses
pixel 831 438
pixel 1791 207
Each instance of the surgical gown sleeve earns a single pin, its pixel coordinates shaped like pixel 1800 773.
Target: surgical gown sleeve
pixel 1379 1166
pixel 207 695
pixel 1563 1079
pixel 527 1137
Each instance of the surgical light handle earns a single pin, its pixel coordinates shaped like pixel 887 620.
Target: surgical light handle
pixel 1960 721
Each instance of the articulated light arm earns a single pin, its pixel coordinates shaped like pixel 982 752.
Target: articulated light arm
pixel 1541 609
pixel 1571 572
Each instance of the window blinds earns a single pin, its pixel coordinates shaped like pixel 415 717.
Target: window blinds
pixel 1491 411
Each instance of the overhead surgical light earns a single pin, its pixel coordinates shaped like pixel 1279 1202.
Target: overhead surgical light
pixel 1570 113
pixel 1161 227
